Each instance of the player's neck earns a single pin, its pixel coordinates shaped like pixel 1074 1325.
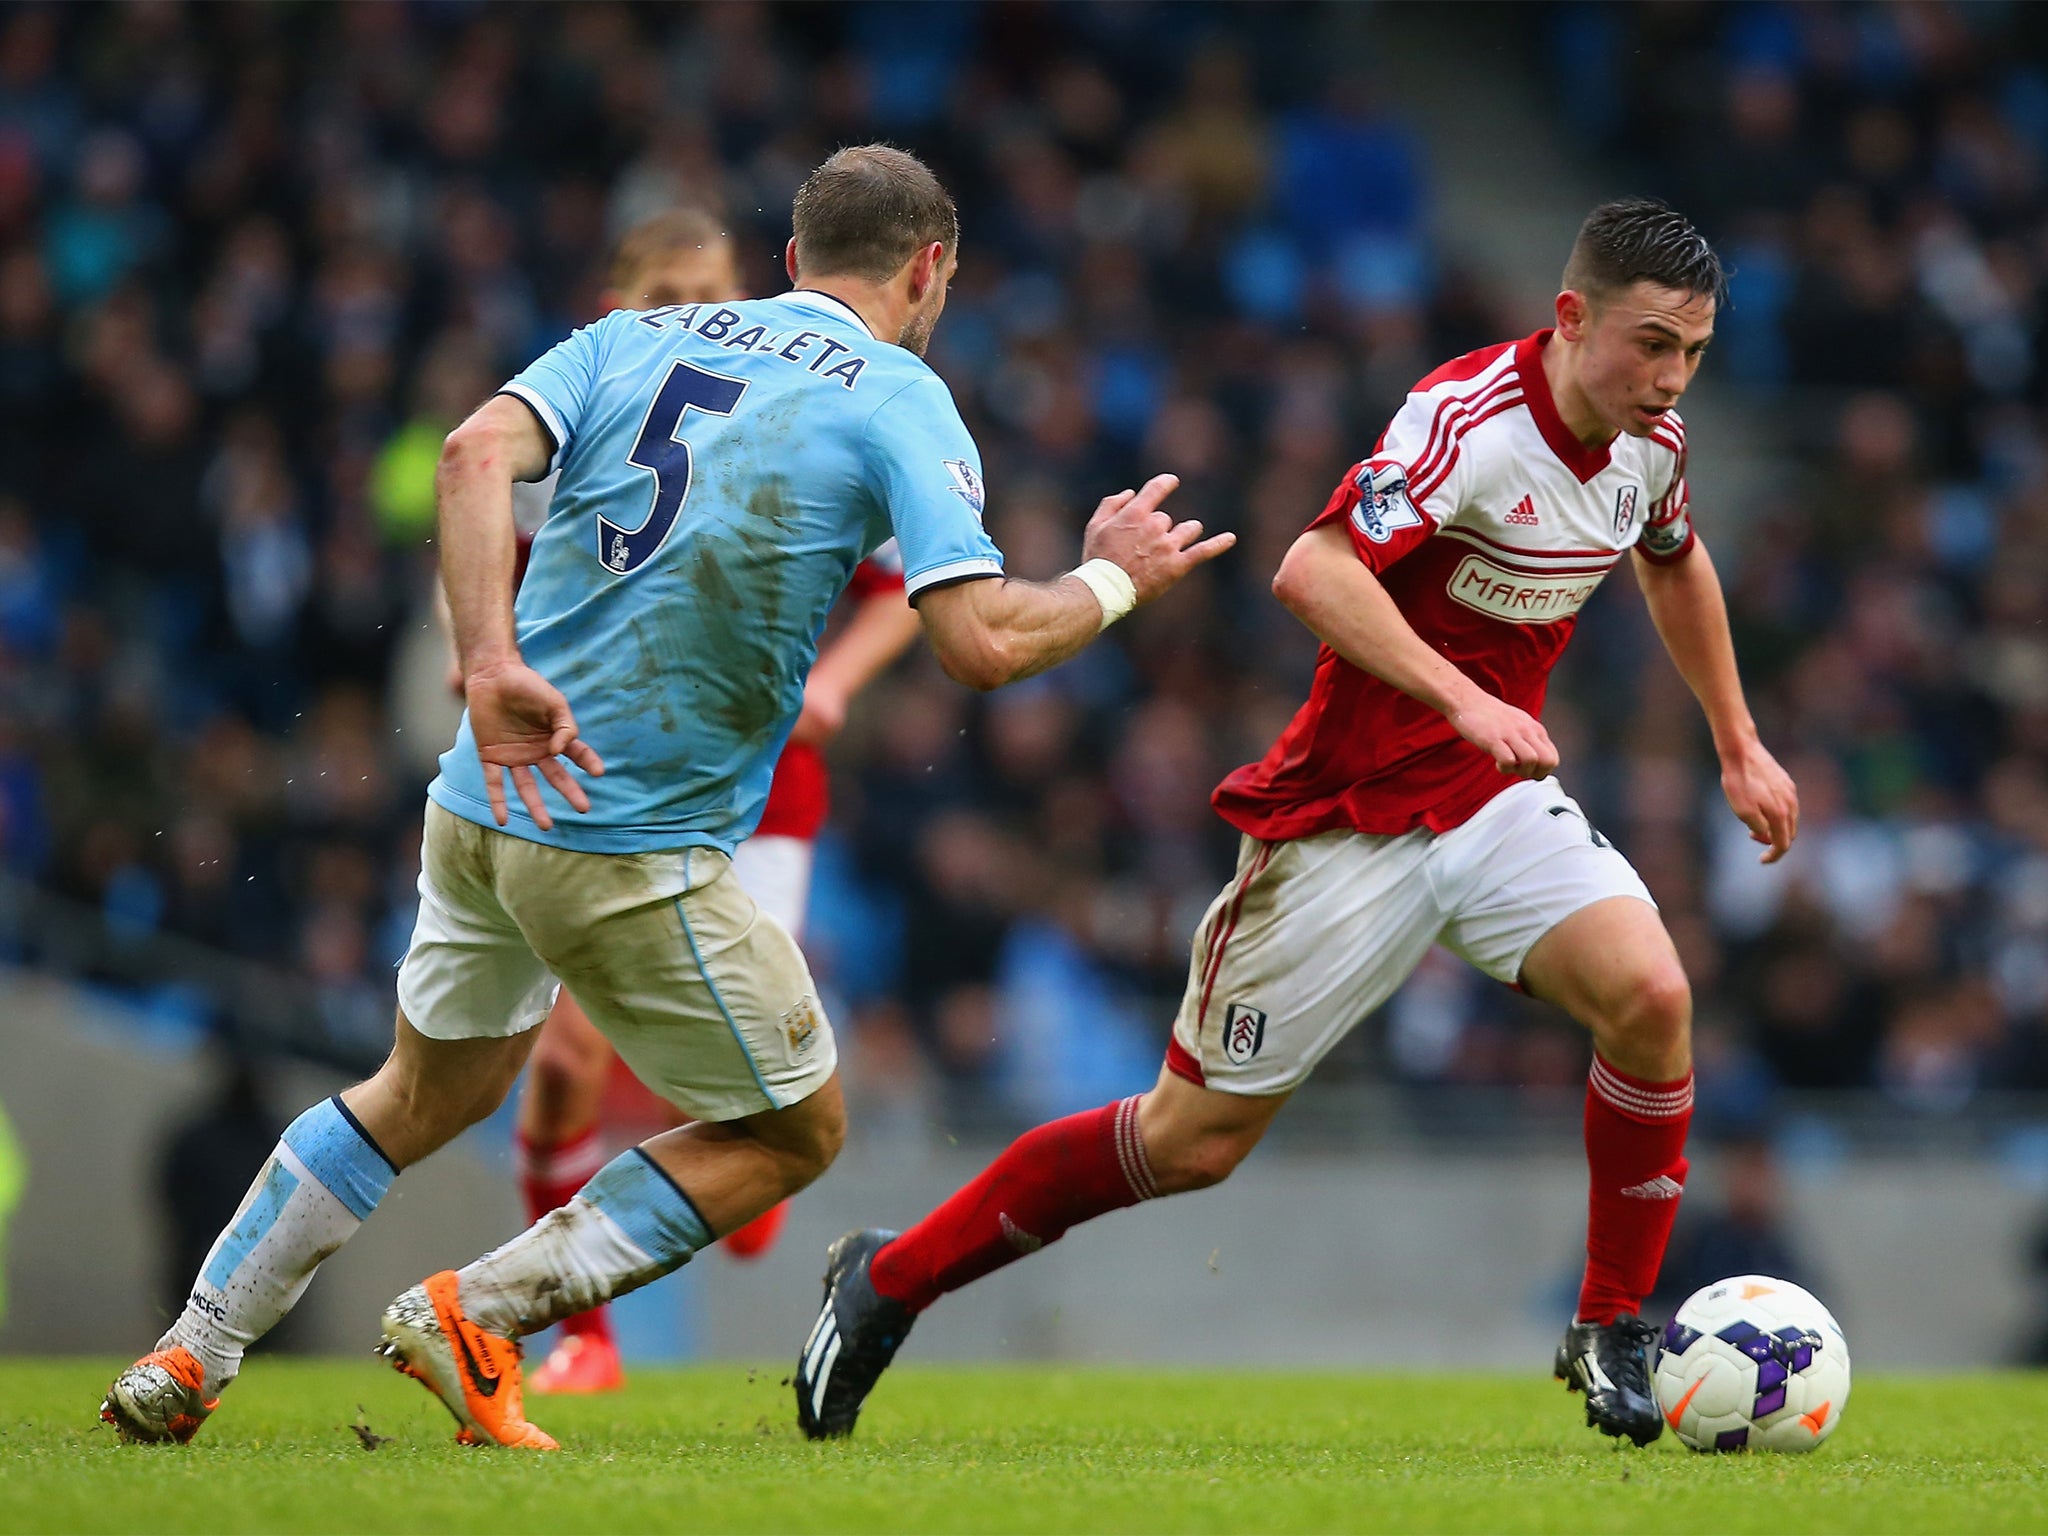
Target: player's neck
pixel 874 304
pixel 1560 372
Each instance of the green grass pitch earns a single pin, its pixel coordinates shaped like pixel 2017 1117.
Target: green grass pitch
pixel 715 1448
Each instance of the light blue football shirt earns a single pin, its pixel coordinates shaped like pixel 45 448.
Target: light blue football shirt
pixel 724 467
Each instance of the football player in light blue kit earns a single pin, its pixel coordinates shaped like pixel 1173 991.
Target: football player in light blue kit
pixel 723 469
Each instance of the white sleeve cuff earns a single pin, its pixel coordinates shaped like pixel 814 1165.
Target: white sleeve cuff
pixel 952 570
pixel 550 419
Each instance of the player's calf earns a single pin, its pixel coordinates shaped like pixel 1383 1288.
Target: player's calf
pixel 1194 1138
pixel 430 1091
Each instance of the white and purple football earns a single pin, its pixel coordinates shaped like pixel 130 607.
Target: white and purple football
pixel 1752 1364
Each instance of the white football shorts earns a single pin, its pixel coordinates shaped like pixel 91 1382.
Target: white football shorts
pixel 704 994
pixel 1314 934
pixel 776 871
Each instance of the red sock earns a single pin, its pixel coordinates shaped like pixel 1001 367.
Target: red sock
pixel 548 1177
pixel 1046 1181
pixel 1635 1152
pixel 758 1235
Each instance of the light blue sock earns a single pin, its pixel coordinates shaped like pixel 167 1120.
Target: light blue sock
pixel 339 1153
pixel 649 1207
pixel 322 1179
pixel 630 1224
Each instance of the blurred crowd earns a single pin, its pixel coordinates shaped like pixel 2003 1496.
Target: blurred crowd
pixel 1878 178
pixel 256 261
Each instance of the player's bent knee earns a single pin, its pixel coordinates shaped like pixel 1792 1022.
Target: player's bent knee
pixel 1202 1162
pixel 1648 1029
pixel 827 1139
pixel 808 1138
pixel 1662 1007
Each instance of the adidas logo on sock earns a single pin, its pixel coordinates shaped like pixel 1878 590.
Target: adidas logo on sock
pixel 1017 1237
pixel 1662 1187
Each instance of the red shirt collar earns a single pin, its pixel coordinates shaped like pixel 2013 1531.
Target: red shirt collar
pixel 1576 456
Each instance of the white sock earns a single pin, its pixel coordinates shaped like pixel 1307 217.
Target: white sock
pixel 320 1182
pixel 630 1224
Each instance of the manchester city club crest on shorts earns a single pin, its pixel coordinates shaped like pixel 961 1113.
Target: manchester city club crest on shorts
pixel 1624 511
pixel 1244 1031
pixel 800 1026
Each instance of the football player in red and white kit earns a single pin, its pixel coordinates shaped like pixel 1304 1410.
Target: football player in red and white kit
pixel 683 257
pixel 1412 802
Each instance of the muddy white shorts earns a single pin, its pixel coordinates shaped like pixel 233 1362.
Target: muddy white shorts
pixel 706 997
pixel 1314 934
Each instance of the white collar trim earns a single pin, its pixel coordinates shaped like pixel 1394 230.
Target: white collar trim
pixel 826 303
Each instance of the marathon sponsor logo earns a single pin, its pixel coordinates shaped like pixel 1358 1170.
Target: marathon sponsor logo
pixel 1517 598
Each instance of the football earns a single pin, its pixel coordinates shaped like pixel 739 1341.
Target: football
pixel 1753 1364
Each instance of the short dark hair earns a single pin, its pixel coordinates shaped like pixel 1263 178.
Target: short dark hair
pixel 864 211
pixel 1640 240
pixel 655 240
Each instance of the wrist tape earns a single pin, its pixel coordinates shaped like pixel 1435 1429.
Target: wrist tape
pixel 1111 585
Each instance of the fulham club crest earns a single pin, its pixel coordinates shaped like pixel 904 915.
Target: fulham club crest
pixel 1624 511
pixel 1244 1031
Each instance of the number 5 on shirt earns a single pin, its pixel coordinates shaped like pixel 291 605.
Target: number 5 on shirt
pixel 667 457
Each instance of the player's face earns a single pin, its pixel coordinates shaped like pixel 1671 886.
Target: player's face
pixel 1638 351
pixel 702 276
pixel 917 331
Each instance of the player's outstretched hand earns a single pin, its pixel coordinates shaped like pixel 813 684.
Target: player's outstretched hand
pixel 1155 551
pixel 1514 738
pixel 521 722
pixel 1763 797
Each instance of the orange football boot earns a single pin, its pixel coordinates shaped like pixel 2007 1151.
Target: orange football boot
pixel 758 1235
pixel 160 1398
pixel 581 1364
pixel 474 1373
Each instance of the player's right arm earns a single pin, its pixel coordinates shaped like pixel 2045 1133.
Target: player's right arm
pixel 997 630
pixel 986 628
pixel 1324 583
pixel 519 719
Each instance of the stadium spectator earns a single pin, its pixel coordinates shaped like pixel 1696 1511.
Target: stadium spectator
pixel 233 305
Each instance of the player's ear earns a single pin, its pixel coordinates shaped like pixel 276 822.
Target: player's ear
pixel 789 258
pixel 1573 313
pixel 926 267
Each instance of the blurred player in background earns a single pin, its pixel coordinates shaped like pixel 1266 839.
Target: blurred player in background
pixel 1412 802
pixel 685 257
pixel 724 468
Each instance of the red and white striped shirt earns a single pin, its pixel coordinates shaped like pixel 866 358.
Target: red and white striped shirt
pixel 1490 524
